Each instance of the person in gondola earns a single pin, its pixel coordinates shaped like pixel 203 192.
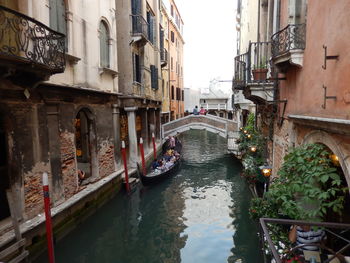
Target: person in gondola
pixel 155 164
pixel 172 142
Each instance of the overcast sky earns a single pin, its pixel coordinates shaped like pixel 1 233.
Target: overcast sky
pixel 209 33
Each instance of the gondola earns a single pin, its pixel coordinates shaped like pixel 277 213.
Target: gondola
pixel 155 176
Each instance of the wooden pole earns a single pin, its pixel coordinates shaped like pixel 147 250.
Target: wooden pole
pixel 125 168
pixel 144 171
pixel 154 147
pixel 48 222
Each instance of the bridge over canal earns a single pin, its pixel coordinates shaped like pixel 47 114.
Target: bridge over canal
pixel 223 127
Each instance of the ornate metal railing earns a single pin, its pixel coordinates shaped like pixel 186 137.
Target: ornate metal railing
pixel 254 66
pixel 289 38
pixel 164 55
pixel 139 26
pixel 24 39
pixel 240 66
pixel 259 67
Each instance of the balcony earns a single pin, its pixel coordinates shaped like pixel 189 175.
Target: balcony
pixel 29 50
pixel 253 72
pixel 139 29
pixel 288 46
pixel 214 106
pixel 163 57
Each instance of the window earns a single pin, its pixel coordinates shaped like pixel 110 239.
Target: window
pixel 178 94
pixel 172 92
pixel 183 95
pixel 104 45
pixel 172 64
pixel 154 77
pixel 172 36
pixel 136 68
pixel 58 21
pixel 172 10
pixel 151 27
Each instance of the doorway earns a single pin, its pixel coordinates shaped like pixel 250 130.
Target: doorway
pixel 83 130
pixel 4 179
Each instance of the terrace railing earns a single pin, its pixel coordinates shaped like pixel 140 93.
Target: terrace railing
pixel 254 66
pixel 25 40
pixel 139 26
pixel 336 236
pixel 292 37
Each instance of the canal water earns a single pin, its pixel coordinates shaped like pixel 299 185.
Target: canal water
pixel 199 215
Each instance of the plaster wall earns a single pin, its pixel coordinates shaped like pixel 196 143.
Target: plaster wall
pixel 304 87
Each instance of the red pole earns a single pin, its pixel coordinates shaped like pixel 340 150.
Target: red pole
pixel 48 223
pixel 154 147
pixel 143 157
pixel 125 167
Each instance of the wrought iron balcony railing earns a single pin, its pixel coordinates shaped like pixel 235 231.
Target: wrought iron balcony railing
pixel 25 40
pixel 291 37
pixel 163 56
pixel 139 26
pixel 253 66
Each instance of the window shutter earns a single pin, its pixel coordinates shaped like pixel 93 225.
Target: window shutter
pixel 156 78
pixel 61 17
pixel 53 14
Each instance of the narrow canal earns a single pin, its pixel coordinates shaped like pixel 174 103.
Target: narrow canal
pixel 199 215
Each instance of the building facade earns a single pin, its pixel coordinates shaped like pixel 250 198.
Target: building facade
pixel 176 61
pixel 66 105
pixel 301 96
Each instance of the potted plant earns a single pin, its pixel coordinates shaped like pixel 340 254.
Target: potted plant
pixel 260 71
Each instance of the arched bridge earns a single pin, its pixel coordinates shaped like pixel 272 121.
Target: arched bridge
pixel 223 127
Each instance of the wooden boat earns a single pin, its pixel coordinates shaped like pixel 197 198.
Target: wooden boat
pixel 157 175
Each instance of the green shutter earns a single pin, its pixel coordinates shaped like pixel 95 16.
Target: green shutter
pixel 53 14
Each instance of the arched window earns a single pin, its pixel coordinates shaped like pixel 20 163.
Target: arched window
pixel 172 92
pixel 104 45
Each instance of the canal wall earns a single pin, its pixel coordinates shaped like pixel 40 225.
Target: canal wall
pixel 72 212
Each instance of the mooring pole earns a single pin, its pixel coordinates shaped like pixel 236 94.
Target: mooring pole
pixel 154 147
pixel 125 168
pixel 48 223
pixel 143 157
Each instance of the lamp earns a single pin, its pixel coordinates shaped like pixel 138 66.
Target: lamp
pixel 245 131
pixel 335 159
pixel 266 170
pixel 241 128
pixel 253 149
pixel 249 136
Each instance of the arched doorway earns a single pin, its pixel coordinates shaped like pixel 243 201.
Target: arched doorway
pixel 85 143
pixel 4 179
pixel 337 154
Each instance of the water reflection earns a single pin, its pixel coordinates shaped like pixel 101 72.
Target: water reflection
pixel 200 215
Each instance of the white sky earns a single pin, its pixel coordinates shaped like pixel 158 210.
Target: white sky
pixel 210 39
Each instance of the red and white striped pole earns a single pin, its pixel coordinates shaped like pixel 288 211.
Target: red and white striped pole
pixel 143 157
pixel 154 147
pixel 48 223
pixel 125 167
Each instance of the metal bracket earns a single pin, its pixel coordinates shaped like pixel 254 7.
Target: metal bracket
pixel 327 97
pixel 284 109
pixel 324 66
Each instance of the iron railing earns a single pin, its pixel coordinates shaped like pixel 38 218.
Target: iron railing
pixel 336 236
pixel 254 66
pixel 26 40
pixel 163 56
pixel 240 76
pixel 291 37
pixel 139 26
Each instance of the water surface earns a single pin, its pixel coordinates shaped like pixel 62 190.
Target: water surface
pixel 199 215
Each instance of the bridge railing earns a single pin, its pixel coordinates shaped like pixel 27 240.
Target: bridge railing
pixel 210 122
